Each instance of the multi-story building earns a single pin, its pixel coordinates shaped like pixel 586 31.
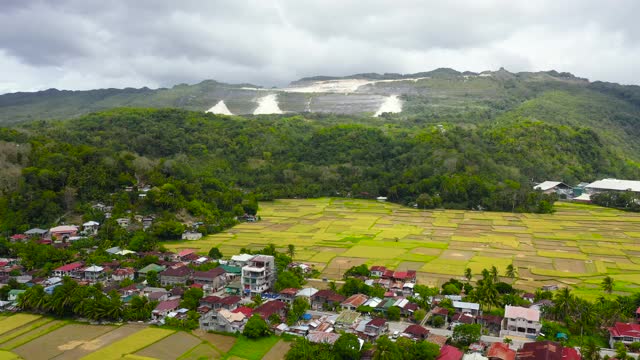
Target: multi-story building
pixel 520 321
pixel 259 275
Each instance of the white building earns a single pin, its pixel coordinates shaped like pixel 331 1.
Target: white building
pixel 613 185
pixel 520 321
pixel 259 275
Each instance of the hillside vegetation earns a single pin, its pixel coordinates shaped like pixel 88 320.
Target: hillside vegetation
pixel 210 168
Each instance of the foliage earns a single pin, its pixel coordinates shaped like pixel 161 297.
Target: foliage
pixel 215 253
pixel 288 279
pixel 360 270
pixel 191 298
pixel 298 308
pixel 256 328
pixel 347 347
pixel 466 334
pixel 393 313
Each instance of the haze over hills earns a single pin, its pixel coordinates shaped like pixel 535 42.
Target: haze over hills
pixel 438 96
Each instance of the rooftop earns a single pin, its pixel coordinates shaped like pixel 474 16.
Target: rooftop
pixel 515 312
pixel 625 329
pixel 501 351
pixel 547 185
pixel 69 267
pixel 449 352
pixel 355 300
pixel 615 184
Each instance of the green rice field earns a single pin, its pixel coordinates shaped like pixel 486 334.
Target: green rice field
pixel 576 246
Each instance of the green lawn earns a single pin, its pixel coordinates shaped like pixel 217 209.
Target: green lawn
pixel 251 349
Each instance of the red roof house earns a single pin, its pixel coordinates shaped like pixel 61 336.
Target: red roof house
pixel 500 351
pixel 569 353
pixel 624 332
pixel 449 352
pixel 416 332
pixel 271 307
pixel 247 311
pixel 69 269
pixel 540 350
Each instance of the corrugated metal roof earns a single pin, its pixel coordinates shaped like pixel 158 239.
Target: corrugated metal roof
pixel 615 184
pixel 544 186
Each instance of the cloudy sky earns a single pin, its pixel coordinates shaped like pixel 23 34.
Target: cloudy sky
pixel 82 44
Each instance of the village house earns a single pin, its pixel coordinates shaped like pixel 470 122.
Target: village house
pixel 123 273
pixel 18 238
pixel 353 302
pixel 63 233
pixel 90 227
pixel 625 333
pixel 230 321
pixel 466 307
pixel 540 350
pixel 259 275
pixel 375 327
pixel 288 295
pixel 173 276
pixel 416 332
pixel 554 187
pixel 326 299
pixel 151 267
pixel 306 293
pixel 491 323
pixel 164 308
pixel 230 302
pixel 449 352
pixel 93 273
pixel 123 222
pixel 520 321
pixel 377 271
pixel 271 307
pixel 613 185
pixel 36 233
pixel 216 278
pixel 240 260
pixel 500 351
pixel 71 270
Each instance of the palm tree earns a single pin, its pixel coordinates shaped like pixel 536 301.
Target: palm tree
pixel 512 272
pixel 291 250
pixel 563 301
pixel 590 350
pixel 607 284
pixel 494 274
pixel 467 274
pixel 485 274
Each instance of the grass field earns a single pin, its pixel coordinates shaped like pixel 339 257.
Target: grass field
pixel 32 337
pixel 576 244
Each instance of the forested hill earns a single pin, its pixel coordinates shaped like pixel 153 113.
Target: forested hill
pixel 209 168
pixel 434 97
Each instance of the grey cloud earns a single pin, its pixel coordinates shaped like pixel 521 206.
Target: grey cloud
pixel 89 44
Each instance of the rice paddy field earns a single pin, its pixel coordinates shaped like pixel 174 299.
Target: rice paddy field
pixel 25 336
pixel 576 246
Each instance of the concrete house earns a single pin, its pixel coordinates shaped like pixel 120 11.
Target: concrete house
pixel 63 233
pixel 173 276
pixel 520 321
pixel 354 301
pixel 328 298
pixel 216 278
pixel 624 333
pixel 93 273
pixel 72 270
pixel 259 275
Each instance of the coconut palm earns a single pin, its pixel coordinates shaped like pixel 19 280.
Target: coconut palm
pixel 512 272
pixel 607 284
pixel 494 274
pixel 590 350
pixel 563 302
pixel 291 249
pixel 467 274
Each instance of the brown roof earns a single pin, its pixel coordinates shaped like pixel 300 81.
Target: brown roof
pixel 541 350
pixel 330 295
pixel 416 330
pixel 437 339
pixel 212 299
pixel 501 351
pixel 230 300
pixel 377 322
pixel 491 319
pixel 177 272
pixel 289 291
pixel 355 300
pixel 167 305
pixel 210 274
pixel 271 307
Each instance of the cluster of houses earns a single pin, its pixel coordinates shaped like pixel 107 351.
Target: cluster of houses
pixel 583 191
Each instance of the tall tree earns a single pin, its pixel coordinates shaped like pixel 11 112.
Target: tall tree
pixel 467 274
pixel 607 284
pixel 494 274
pixel 511 272
pixel 291 250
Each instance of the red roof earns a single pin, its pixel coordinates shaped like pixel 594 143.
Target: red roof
pixel 355 300
pixel 625 329
pixel 377 322
pixel 196 285
pixel 378 268
pixel 416 330
pixel 638 311
pixel 70 267
pixel 186 252
pixel 19 237
pixel 269 308
pixel 247 311
pixel 541 350
pixel 569 353
pixel 167 305
pixel 400 275
pixel 501 351
pixel 440 311
pixel 449 352
pixel 289 291
pixel 388 273
pixel 212 299
pixel 330 295
pixel 230 300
